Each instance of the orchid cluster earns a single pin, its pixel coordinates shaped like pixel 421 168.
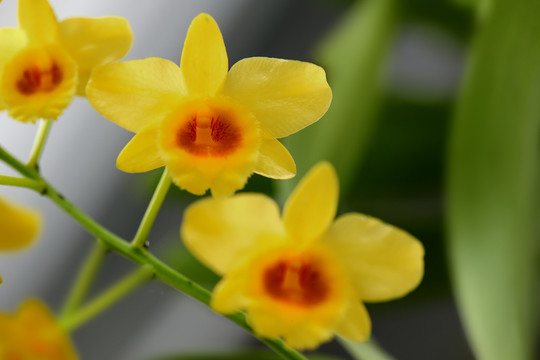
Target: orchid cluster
pixel 297 275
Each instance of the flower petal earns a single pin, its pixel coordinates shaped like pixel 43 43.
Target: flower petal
pixel 355 324
pixel 28 99
pixel 141 154
pixel 11 41
pixel 285 95
pixel 274 160
pixel 229 295
pixel 37 335
pixel 20 225
pixel 384 261
pixel 204 57
pixel 95 41
pixel 219 232
pixel 312 206
pixel 37 19
pixel 299 333
pixel 135 93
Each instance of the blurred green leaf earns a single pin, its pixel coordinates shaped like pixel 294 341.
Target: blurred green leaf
pixel 445 14
pixel 492 183
pixel 482 7
pixel 354 56
pixel 365 351
pixel 254 354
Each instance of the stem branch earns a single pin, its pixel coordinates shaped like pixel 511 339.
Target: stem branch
pixel 39 142
pixel 18 166
pixel 84 279
pixel 152 210
pixel 22 182
pixel 105 300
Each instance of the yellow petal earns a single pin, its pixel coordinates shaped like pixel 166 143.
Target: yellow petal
pixel 227 182
pixel 312 206
pixel 384 261
pixel 37 334
pixel 274 160
pixel 95 41
pixel 208 174
pixel 37 19
pixel 285 95
pixel 300 334
pixel 308 337
pixel 204 57
pixel 133 94
pixel 219 232
pixel 189 179
pixel 38 82
pixel 141 154
pixel 229 295
pixel 19 226
pixel 12 40
pixel 355 324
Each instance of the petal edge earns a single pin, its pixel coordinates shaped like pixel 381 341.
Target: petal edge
pixel 141 154
pixel 284 95
pixel 95 41
pixel 384 262
pixel 204 60
pixel 219 232
pixel 312 206
pixel 133 94
pixel 275 161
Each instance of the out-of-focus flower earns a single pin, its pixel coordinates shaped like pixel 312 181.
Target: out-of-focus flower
pixel 19 226
pixel 43 63
pixel 302 277
pixel 211 128
pixel 33 333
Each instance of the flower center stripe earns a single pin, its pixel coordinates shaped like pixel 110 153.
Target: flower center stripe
pixel 35 79
pixel 298 282
pixel 214 136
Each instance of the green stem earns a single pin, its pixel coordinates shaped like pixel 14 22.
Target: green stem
pixel 39 142
pixel 17 165
pixel 152 210
pixel 22 182
pixel 84 279
pixel 72 321
pixel 142 257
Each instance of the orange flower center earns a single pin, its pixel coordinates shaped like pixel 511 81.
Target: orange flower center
pixel 299 282
pixel 209 134
pixel 35 79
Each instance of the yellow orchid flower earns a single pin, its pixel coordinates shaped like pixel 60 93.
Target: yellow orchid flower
pixel 210 127
pixel 43 63
pixel 19 226
pixel 302 277
pixel 33 333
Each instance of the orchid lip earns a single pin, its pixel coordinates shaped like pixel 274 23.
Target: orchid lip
pixel 213 135
pixel 296 281
pixel 35 79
